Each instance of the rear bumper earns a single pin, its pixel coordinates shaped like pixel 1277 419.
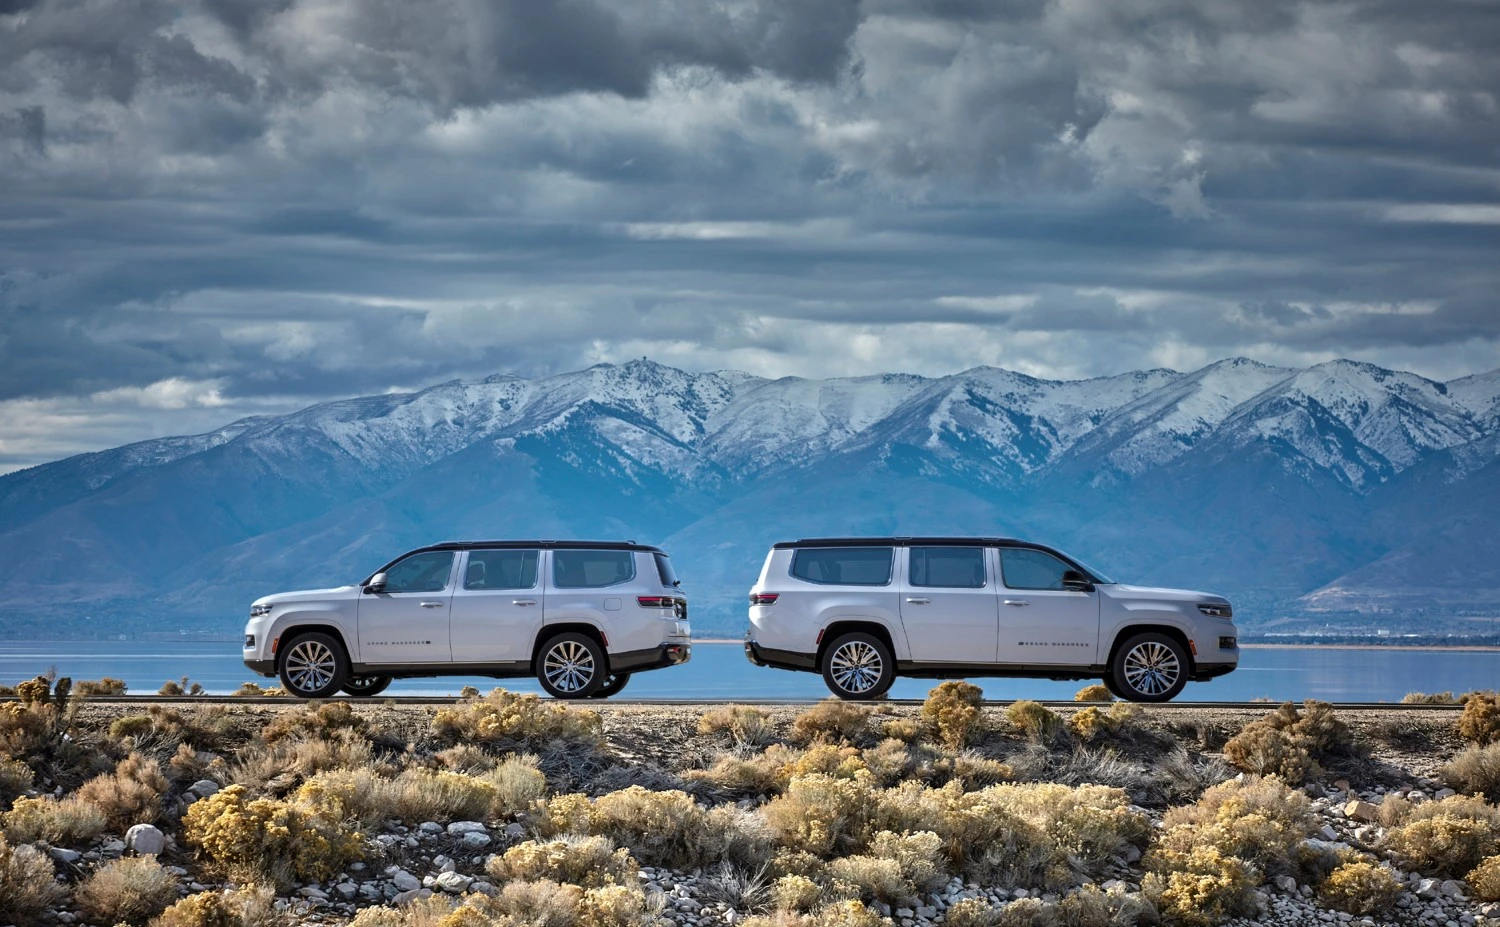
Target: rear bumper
pixel 639 661
pixel 262 667
pixel 780 659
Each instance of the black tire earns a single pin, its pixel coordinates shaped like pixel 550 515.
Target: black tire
pixel 858 667
pixel 1109 683
pixel 612 685
pixel 313 665
pixel 366 686
pixel 1150 667
pixel 571 665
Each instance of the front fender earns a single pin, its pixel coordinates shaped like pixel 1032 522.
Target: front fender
pixel 328 615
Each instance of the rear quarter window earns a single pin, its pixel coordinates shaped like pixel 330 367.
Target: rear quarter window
pixel 591 569
pixel 843 566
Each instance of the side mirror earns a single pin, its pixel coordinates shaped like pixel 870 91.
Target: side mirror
pixel 1075 581
pixel 376 584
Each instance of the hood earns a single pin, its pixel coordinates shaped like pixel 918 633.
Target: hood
pixel 1122 591
pixel 309 595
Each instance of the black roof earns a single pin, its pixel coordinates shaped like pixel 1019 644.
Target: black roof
pixel 903 542
pixel 554 545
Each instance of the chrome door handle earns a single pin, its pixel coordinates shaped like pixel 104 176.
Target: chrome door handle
pixel 523 601
pixel 920 601
pixel 432 604
pixel 1018 603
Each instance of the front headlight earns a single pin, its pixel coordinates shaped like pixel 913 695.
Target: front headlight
pixel 261 611
pixel 1215 610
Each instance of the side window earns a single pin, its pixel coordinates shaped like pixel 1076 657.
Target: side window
pixel 501 569
pixel 1031 569
pixel 665 571
pixel 949 567
pixel 591 569
pixel 843 566
pixel 425 572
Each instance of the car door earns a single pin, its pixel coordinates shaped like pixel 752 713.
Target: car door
pixel 497 607
pixel 1040 621
pixel 408 621
pixel 949 605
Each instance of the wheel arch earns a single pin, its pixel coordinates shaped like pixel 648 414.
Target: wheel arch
pixel 548 631
pixel 847 625
pixel 285 637
pixel 1172 631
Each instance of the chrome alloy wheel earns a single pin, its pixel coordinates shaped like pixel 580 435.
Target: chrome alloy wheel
pixel 569 666
pixel 310 665
pixel 856 667
pixel 1151 668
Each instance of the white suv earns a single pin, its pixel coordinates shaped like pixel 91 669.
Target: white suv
pixel 581 616
pixel 863 611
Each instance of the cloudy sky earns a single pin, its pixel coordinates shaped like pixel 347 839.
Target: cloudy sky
pixel 211 208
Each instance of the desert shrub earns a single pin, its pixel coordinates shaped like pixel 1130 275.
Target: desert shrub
pixel 823 814
pixel 266 840
pixel 795 893
pixel 506 719
pixel 106 686
pixel 972 912
pixel 1429 698
pixel 971 769
pixel 745 723
pixel 15 779
pixel 281 766
pixel 510 787
pixel 837 914
pixel 1480 720
pixel 314 721
pixel 188 765
pixel 1033 719
pixel 27 887
pixel 888 762
pixel 660 828
pixel 906 730
pixel 757 774
pixel 1475 771
pixel 589 862
pixel 40 734
pixel 952 709
pixel 896 869
pixel 256 690
pixel 1258 820
pixel 250 906
pixel 1444 838
pixel 212 728
pixel 1201 886
pixel 1289 743
pixel 177 688
pixel 1484 880
pixel 1092 723
pixel 130 795
pixel 826 759
pixel 1360 887
pixel 67 822
pixel 1097 692
pixel 831 719
pixel 131 890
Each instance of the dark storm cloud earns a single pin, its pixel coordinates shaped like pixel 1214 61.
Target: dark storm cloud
pixel 215 205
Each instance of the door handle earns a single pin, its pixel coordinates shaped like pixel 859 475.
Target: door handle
pixel 920 601
pixel 432 604
pixel 523 601
pixel 1018 603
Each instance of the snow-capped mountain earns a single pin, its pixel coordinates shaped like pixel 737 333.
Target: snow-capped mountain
pixel 1265 483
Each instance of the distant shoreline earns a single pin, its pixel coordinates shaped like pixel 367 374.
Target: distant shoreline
pixel 1478 648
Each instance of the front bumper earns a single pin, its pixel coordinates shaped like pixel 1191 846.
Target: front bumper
pixel 1204 672
pixel 261 667
pixel 639 661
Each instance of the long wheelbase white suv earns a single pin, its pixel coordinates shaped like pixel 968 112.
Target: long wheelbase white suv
pixel 863 611
pixel 581 616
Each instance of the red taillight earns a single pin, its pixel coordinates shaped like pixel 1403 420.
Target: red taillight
pixel 763 598
pixel 656 601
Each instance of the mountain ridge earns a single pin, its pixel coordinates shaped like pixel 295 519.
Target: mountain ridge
pixel 1273 485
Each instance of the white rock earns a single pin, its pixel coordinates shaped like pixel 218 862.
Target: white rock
pixel 204 788
pixel 1441 794
pixel 405 881
pixel 146 840
pixel 459 828
pixel 455 883
pixel 64 856
pixel 475 839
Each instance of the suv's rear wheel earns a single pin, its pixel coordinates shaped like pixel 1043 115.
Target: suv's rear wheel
pixel 858 666
pixel 571 666
pixel 366 686
pixel 612 685
pixel 1150 667
pixel 313 665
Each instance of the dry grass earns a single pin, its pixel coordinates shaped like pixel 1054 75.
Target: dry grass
pixel 69 822
pixel 746 724
pixel 130 891
pixel 831 720
pixel 132 794
pixel 1476 771
pixel 26 884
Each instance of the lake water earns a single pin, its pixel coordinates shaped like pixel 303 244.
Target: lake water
pixel 721 671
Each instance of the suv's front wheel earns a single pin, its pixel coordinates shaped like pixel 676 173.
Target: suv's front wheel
pixel 858 666
pixel 571 665
pixel 1150 667
pixel 314 666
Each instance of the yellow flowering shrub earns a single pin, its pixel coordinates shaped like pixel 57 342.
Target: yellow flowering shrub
pixel 269 840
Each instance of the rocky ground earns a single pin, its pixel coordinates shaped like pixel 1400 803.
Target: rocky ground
pixel 654 745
